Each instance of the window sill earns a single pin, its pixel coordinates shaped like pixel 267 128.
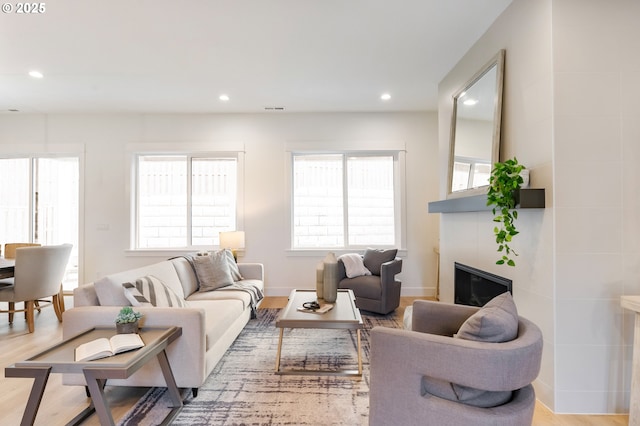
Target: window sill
pixel 337 252
pixel 166 253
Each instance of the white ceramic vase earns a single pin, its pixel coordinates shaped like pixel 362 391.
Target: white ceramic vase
pixel 320 280
pixel 330 276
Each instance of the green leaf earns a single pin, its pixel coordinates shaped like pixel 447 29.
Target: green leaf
pixel 511 263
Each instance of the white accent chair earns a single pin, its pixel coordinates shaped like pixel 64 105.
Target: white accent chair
pixel 39 272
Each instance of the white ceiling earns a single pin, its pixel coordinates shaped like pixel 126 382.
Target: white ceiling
pixel 161 56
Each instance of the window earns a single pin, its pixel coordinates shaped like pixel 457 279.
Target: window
pixel 40 204
pixel 184 200
pixel 470 173
pixel 345 200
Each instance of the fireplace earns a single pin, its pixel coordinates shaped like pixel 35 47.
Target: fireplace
pixel 475 287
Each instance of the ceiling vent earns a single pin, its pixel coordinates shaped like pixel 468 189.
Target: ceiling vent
pixel 273 108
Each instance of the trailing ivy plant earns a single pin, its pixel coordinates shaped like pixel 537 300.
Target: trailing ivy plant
pixel 504 182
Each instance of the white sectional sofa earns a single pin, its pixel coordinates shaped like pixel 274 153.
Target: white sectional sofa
pixel 210 320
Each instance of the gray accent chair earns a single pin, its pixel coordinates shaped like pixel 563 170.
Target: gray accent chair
pixel 378 292
pixel 403 360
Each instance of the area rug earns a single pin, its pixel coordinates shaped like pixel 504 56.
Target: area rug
pixel 244 390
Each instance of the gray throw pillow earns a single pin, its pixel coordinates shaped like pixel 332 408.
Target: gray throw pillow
pixel 463 394
pixel 374 258
pixel 496 322
pixel 213 271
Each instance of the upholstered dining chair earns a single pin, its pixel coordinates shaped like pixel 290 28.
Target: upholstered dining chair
pixel 10 253
pixel 426 376
pixel 10 248
pixel 39 272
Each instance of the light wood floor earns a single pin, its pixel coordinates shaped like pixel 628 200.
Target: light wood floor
pixel 60 403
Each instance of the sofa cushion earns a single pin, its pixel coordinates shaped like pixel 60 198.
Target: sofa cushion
pixel 186 274
pixel 219 316
pixel 496 322
pixel 111 293
pixel 227 293
pixel 374 258
pixel 213 271
pixel 156 292
pixel 366 286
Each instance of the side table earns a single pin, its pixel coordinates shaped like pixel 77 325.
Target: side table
pixel 60 359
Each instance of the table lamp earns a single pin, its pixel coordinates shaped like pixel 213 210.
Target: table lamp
pixel 232 240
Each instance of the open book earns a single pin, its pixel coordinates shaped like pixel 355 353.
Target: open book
pixel 102 348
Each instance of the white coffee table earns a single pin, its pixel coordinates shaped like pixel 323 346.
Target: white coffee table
pixel 344 315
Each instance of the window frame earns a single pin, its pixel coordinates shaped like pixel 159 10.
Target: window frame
pixel 55 150
pixel 394 149
pixel 472 163
pixel 191 151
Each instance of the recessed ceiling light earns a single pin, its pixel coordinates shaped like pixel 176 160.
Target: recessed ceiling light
pixel 470 102
pixel 36 74
pixel 224 98
pixel 385 97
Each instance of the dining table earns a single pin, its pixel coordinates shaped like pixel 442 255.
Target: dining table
pixel 6 267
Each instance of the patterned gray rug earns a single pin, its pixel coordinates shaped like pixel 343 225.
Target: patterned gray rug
pixel 243 389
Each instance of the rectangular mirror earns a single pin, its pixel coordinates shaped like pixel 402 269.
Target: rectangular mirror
pixel 475 130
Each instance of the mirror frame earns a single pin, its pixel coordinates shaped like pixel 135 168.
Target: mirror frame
pixel 498 62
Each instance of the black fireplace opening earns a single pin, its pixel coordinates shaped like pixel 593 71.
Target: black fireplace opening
pixel 475 287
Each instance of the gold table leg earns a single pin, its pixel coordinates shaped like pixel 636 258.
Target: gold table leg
pixel 279 351
pixel 359 354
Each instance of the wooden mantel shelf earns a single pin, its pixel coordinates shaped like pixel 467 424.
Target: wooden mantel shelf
pixel 530 198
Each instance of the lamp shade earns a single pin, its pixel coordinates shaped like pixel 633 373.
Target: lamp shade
pixel 232 240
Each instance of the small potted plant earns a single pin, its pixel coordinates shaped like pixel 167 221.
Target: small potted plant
pixel 127 320
pixel 504 183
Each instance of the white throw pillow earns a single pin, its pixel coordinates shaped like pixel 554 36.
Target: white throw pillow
pixel 354 265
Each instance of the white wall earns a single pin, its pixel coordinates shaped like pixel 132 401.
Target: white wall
pixel 596 152
pixel 105 235
pixel 572 73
